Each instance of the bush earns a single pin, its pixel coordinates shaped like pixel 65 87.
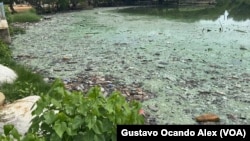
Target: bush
pixel 11 134
pixel 61 115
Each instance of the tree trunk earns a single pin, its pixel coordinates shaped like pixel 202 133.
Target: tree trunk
pixel 11 4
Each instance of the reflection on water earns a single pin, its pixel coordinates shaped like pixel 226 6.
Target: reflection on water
pixel 225 15
pixel 225 19
pixel 226 12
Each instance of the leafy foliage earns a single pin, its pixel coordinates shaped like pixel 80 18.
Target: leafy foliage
pixel 7 14
pixel 68 116
pixel 43 6
pixel 11 134
pixel 5 52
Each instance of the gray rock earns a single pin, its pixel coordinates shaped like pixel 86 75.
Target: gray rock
pixel 7 75
pixel 18 113
pixel 2 99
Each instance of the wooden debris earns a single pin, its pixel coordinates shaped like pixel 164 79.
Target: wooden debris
pixel 208 117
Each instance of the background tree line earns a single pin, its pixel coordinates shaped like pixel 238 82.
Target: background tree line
pixel 43 6
pixel 50 6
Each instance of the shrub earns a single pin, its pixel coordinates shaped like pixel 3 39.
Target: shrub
pixel 61 115
pixel 11 134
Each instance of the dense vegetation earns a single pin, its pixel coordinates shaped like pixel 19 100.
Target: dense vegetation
pixel 61 115
pixel 43 6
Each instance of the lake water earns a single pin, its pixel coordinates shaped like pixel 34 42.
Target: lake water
pixel 194 60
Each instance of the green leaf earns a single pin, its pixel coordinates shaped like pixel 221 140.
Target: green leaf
pixel 15 134
pixel 57 83
pixel 98 127
pixel 7 129
pixel 100 137
pixel 49 117
pixel 56 103
pixel 55 137
pixel 83 109
pixel 11 131
pixel 95 109
pixel 58 93
pixel 46 128
pixel 60 128
pixel 91 121
pixel 119 120
pixel 79 137
pixel 70 109
pixel 113 137
pixel 107 125
pixel 71 132
pixel 40 105
pixel 88 136
pixel 94 92
pixel 62 117
pixel 77 122
pixel 109 107
pixel 35 124
pixel 32 137
pixel 57 90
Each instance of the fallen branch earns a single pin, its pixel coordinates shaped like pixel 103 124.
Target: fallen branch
pixel 240 31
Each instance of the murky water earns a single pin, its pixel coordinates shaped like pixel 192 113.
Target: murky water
pixel 193 67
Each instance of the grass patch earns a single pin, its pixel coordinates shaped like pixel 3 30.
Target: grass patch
pixel 27 83
pixel 27 16
pixel 14 30
pixel 5 52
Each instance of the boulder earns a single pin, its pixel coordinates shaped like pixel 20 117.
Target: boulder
pixel 18 113
pixel 2 99
pixel 7 75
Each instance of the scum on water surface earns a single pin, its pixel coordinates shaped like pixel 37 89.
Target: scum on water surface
pixel 193 68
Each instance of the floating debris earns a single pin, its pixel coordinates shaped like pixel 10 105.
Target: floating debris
pixel 208 117
pixel 108 84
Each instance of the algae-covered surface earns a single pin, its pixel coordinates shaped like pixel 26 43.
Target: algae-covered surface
pixel 192 67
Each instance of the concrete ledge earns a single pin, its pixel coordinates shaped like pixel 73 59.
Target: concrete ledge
pixel 3 24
